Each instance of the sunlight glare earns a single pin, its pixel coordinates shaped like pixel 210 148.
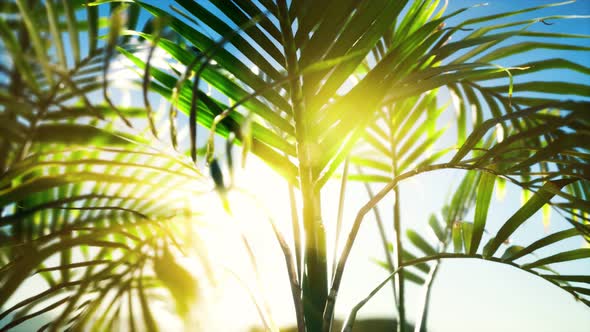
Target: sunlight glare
pixel 221 233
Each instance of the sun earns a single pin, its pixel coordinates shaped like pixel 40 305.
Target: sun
pixel 249 274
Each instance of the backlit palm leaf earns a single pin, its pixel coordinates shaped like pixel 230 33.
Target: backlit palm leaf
pixel 86 204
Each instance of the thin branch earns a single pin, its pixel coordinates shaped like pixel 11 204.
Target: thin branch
pixel 109 50
pixel 340 212
pixel 73 265
pixel 260 311
pixel 147 76
pixel 422 317
pixel 337 278
pixel 296 230
pixel 382 235
pixel 43 294
pixel 399 249
pixel 294 278
pixel 67 78
pixel 294 281
pixel 35 314
pixel 113 207
pixel 352 316
pixel 258 278
pixel 255 268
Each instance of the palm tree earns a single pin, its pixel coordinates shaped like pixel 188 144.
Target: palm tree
pixel 309 88
pixel 83 205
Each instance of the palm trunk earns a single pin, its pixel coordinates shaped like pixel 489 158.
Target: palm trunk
pixel 315 275
pixel 315 278
pixel 315 268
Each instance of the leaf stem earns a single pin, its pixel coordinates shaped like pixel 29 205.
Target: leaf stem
pixel 351 317
pixel 337 277
pixel 340 212
pixel 382 235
